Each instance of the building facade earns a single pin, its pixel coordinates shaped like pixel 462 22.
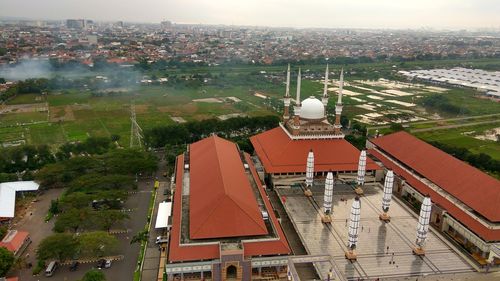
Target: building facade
pixel 465 200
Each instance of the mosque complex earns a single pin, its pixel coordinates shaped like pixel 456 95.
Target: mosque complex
pixel 309 205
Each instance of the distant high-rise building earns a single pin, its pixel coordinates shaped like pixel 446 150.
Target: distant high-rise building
pixel 166 24
pixel 75 23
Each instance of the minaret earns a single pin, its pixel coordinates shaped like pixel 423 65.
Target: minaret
pixel 423 226
pixel 353 229
pixel 328 199
pixel 297 101
pixel 386 199
pixel 324 99
pixel 338 106
pixel 361 172
pixel 286 114
pixel 309 173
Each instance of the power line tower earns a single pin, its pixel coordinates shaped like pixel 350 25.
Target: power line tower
pixel 135 130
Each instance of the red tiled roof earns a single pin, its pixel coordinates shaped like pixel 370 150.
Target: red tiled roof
pixel 176 251
pixel 280 154
pixel 195 252
pixel 221 201
pixel 278 246
pixel 471 223
pixel 474 188
pixel 14 240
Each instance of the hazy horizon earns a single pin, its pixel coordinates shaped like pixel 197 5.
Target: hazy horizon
pixel 379 14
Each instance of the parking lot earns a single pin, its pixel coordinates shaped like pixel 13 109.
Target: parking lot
pixel 137 203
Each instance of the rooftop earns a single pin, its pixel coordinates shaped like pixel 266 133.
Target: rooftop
pixel 183 247
pixel 280 154
pixel 221 202
pixel 8 195
pixel 14 240
pixel 474 188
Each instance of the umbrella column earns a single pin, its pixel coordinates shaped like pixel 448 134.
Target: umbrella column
pixel 361 173
pixel 423 226
pixel 309 173
pixel 352 235
pixel 328 199
pixel 386 199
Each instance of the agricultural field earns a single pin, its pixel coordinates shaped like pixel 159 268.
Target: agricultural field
pixel 246 90
pixel 476 139
pixel 77 115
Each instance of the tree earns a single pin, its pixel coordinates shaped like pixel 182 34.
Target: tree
pixel 115 137
pixel 6 261
pixel 72 220
pixel 94 275
pixel 141 236
pixel 97 244
pixel 396 127
pixel 105 219
pixel 59 246
pixel 3 231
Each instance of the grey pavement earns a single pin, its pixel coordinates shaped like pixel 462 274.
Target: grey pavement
pixel 374 238
pixel 152 255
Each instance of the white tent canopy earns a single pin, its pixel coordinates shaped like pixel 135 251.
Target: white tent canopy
pixel 164 213
pixel 8 195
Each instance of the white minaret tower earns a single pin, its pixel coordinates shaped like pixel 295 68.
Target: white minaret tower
pixel 324 99
pixel 386 199
pixel 423 226
pixel 353 229
pixel 309 173
pixel 338 106
pixel 328 199
pixel 286 98
pixel 297 101
pixel 361 172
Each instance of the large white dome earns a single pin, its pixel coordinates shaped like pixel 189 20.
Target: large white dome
pixel 312 108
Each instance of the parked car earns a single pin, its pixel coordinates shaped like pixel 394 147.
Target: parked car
pixel 101 264
pixel 161 240
pixel 51 268
pixel 74 266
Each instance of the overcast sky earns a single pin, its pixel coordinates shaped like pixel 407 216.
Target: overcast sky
pixel 292 13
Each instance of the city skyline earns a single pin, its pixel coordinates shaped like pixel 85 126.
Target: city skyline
pixel 382 14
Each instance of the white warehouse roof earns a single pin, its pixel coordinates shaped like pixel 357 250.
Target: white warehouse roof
pixel 8 195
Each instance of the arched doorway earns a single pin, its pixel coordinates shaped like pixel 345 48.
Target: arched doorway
pixel 231 272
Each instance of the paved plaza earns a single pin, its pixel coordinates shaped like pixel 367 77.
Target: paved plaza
pixel 379 243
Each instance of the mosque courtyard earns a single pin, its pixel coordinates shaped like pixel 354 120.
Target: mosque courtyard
pixel 384 250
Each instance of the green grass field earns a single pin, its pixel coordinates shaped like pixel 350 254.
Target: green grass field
pixel 457 138
pixel 84 115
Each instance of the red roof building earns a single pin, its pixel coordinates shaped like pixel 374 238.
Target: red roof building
pixel 15 241
pixel 465 194
pixel 281 154
pixel 219 200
